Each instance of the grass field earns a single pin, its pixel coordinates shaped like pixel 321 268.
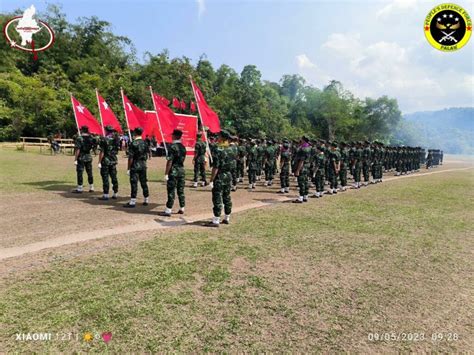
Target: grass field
pixel 392 259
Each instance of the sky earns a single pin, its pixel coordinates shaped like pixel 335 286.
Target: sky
pixel 374 48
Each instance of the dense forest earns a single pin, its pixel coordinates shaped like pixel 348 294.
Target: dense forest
pixel 34 95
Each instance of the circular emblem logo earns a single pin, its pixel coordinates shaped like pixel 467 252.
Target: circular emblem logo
pixel 448 27
pixel 28 34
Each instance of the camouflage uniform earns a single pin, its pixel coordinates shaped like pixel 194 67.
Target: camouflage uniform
pixel 303 154
pixel 357 165
pixel 84 143
pixel 176 176
pixel 269 157
pixel 222 182
pixel 138 151
pixel 241 162
pixel 377 155
pixel 319 172
pixel 285 157
pixel 233 151
pixel 260 159
pixel 109 146
pixel 200 162
pixel 344 152
pixel 366 163
pixel 333 159
pixel 252 165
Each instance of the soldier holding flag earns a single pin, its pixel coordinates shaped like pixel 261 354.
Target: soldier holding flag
pixel 109 147
pixel 174 173
pixel 137 156
pixel 83 159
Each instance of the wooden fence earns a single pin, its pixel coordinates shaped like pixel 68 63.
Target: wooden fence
pixel 66 145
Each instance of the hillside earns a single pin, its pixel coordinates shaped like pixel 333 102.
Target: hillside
pixel 451 129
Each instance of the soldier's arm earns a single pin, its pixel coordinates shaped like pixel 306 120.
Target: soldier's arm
pixel 299 167
pixel 214 172
pixel 169 164
pixel 130 157
pixel 101 152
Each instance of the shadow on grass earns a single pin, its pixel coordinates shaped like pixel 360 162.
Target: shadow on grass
pixel 64 189
pixel 50 185
pixel 205 223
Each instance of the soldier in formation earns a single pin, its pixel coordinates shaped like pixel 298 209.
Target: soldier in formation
pixel 221 179
pixel 109 147
pixel 137 168
pixel 199 161
pixel 175 174
pixel 312 162
pixel 83 146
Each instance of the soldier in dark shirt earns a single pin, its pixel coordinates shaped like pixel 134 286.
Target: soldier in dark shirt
pixel 83 159
pixel 199 161
pixel 175 174
pixel 109 147
pixel 137 157
pixel 221 180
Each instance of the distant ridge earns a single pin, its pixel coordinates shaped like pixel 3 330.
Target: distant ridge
pixel 450 129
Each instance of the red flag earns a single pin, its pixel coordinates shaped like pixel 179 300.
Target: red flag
pixel 165 114
pixel 176 103
pixel 85 118
pixel 107 115
pixel 152 128
pixel 186 123
pixel 183 105
pixel 134 116
pixel 208 117
pixel 193 106
pixel 165 101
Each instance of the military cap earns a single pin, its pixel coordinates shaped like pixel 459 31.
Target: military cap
pixel 225 134
pixel 177 133
pixel 109 128
pixel 84 129
pixel 138 131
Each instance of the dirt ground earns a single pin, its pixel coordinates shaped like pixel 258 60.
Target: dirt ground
pixel 51 216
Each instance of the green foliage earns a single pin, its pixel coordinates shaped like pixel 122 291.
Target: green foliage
pixel 34 95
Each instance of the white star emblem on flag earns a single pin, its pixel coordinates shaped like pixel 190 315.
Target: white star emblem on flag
pixel 106 107
pixel 80 108
pixel 129 107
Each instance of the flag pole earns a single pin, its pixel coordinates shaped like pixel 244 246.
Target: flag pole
pixel 100 112
pixel 159 123
pixel 126 117
pixel 75 117
pixel 200 119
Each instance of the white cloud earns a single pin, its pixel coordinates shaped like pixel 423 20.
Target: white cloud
pixel 311 71
pixel 388 68
pixel 304 62
pixel 396 7
pixel 201 7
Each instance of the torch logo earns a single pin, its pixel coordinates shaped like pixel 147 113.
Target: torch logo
pixel 19 32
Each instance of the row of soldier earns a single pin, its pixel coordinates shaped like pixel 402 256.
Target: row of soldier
pixel 312 162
